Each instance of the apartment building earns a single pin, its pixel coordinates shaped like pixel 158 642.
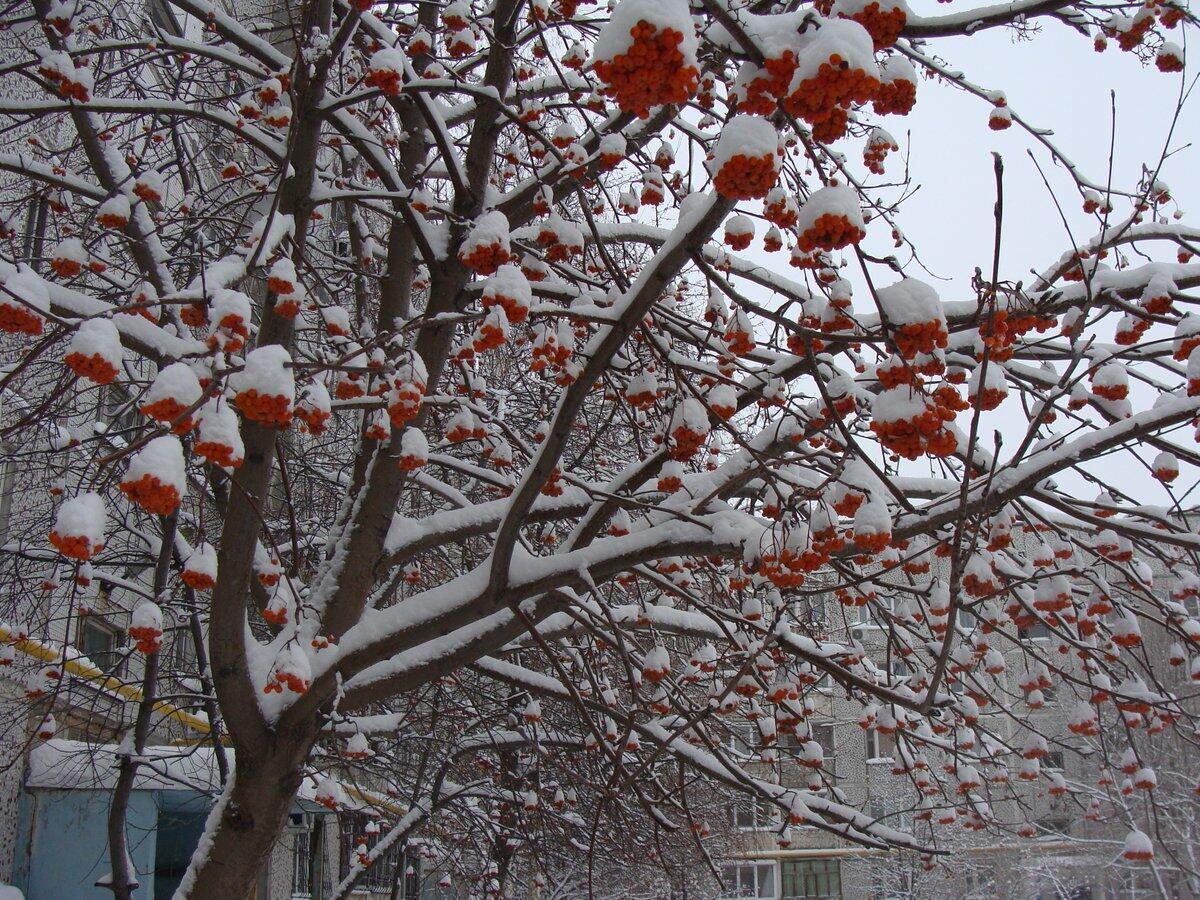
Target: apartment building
pixel 66 655
pixel 55 792
pixel 1064 856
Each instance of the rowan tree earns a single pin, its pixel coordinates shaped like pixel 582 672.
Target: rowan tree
pixel 411 354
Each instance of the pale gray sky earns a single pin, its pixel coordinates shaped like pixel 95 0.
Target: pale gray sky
pixel 1057 81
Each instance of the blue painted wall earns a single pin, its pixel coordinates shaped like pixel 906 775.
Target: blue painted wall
pixel 62 847
pixel 181 819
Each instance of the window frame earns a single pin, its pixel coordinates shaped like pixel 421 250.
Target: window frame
pixel 886 602
pixel 762 815
pixel 180 651
pixel 832 869
pixel 789 745
pixel 980 884
pixel 114 657
pixel 874 745
pixel 764 889
pixel 816 612
pixel 302 862
pixel 378 878
pixel 1052 827
pixel 1027 634
pixel 744 737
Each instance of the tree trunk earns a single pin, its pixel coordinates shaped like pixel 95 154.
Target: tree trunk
pixel 122 874
pixel 244 825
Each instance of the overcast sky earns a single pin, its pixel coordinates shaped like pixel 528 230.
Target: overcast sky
pixel 1057 81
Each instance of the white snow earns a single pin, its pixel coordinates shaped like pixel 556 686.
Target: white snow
pixel 231 304
pixel 176 382
pixel 83 516
pixel 843 37
pixel 910 301
pixel 202 561
pixel 146 616
pixel 161 458
pixel 743 135
pixel 28 286
pixel 218 425
pixel 387 59
pixel 98 337
pixel 490 228
pixel 838 200
pixel 268 371
pixel 897 404
pixel 615 38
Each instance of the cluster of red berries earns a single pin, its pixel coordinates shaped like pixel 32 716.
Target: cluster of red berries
pixel 152 495
pixel 651 72
pixel 829 231
pixel 268 409
pixel 746 177
pixel 95 367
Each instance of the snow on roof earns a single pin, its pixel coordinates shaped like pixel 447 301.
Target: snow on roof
pixel 60 764
pixel 77 765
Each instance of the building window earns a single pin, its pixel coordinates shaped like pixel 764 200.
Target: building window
pixel 809 613
pixel 811 879
pixel 823 734
pixel 118 407
pixel 411 887
pixel 748 880
pixel 743 738
pixel 980 884
pixel 379 877
pixel 874 614
pixel 880 746
pixel 895 885
pixel 751 814
pixel 1054 827
pixel 967 620
pixel 306 856
pixel 1038 631
pixel 181 653
pixel 1054 760
pixel 101 642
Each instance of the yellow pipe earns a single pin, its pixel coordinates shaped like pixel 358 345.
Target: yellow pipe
pixel 89 673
